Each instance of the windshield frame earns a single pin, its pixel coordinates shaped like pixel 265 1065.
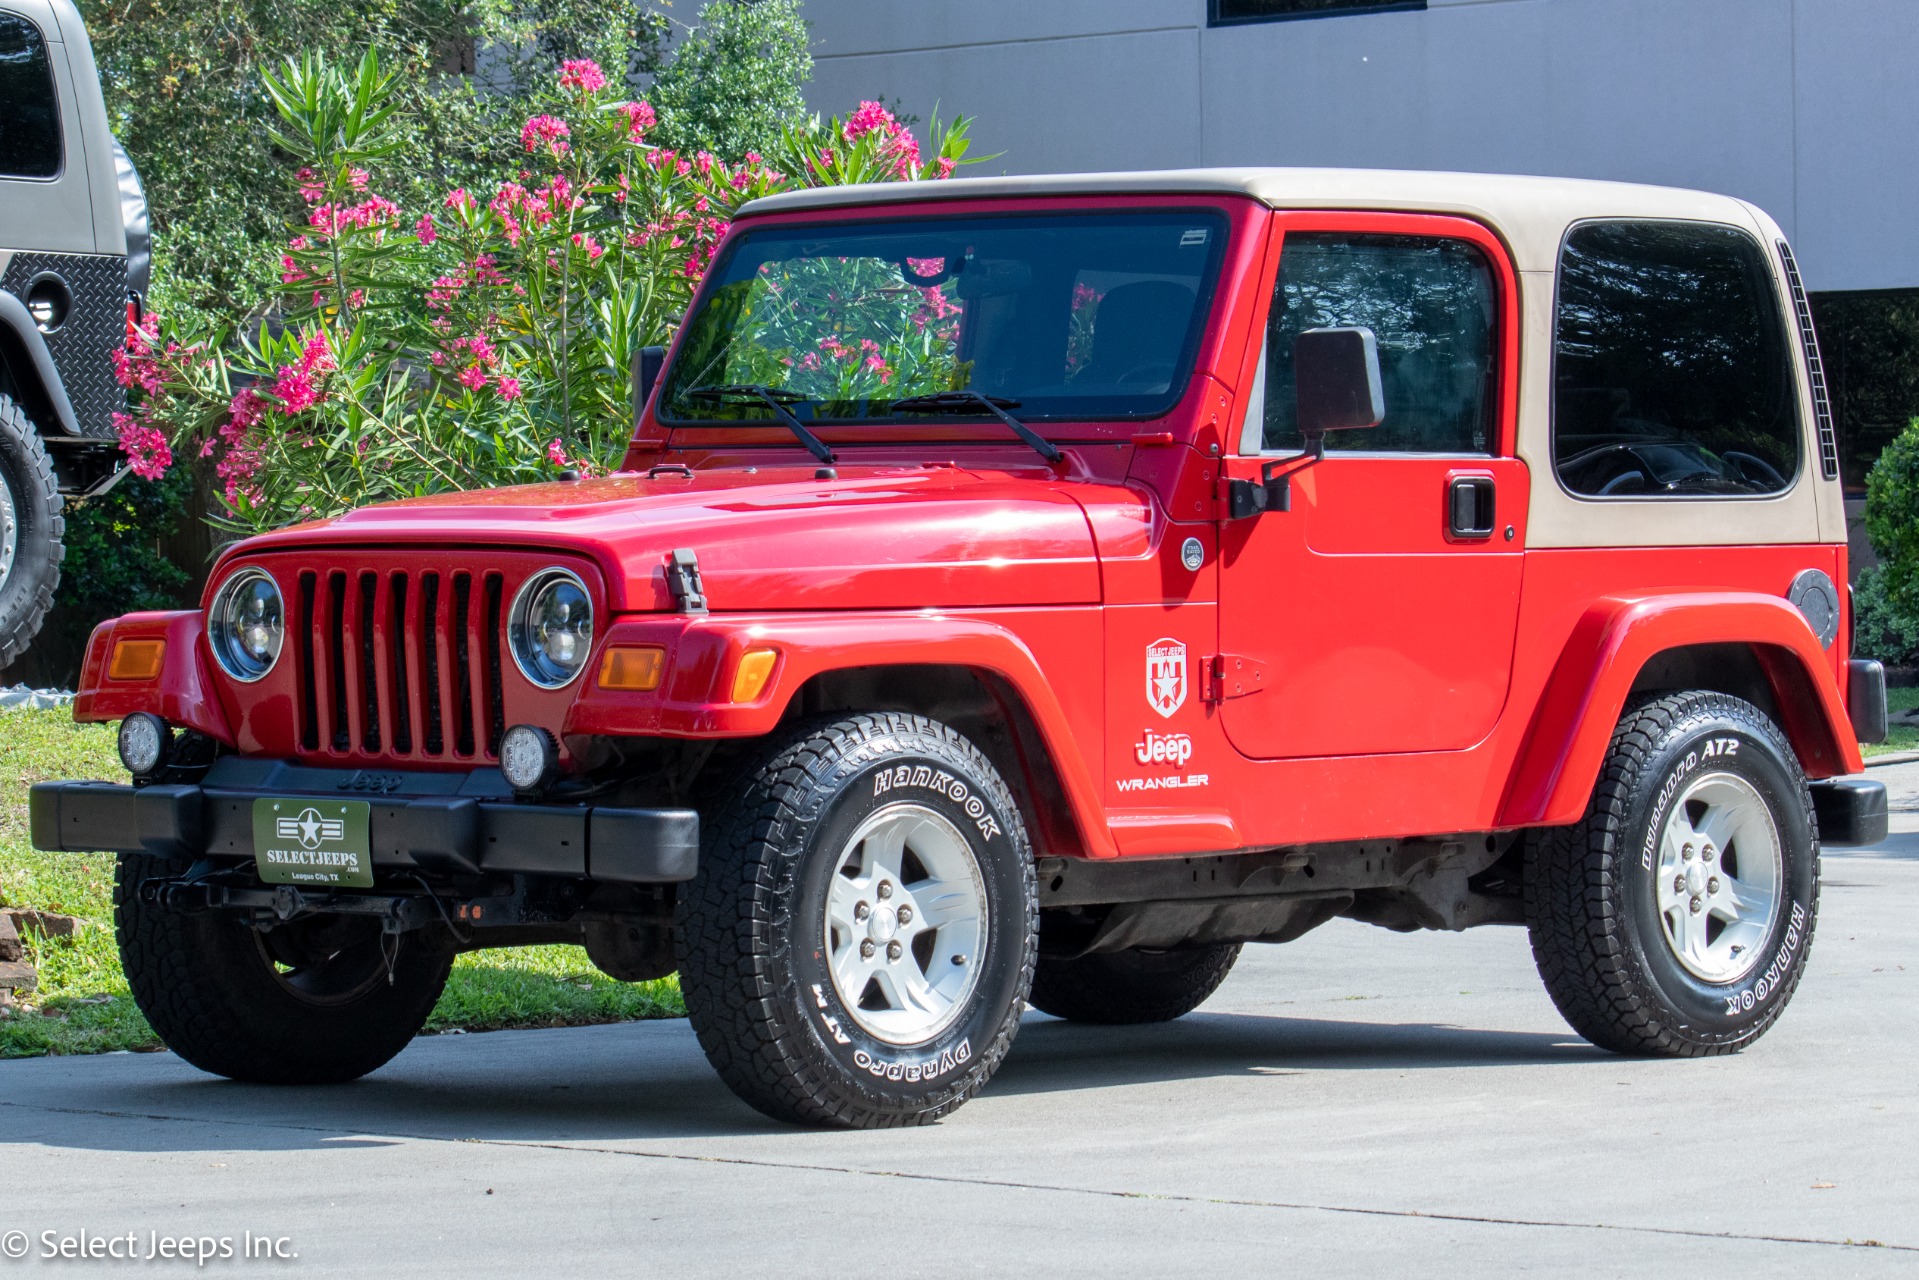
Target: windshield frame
pixel 1228 222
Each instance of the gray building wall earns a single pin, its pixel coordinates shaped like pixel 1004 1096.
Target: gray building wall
pixel 1802 106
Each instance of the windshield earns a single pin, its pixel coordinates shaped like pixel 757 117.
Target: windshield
pixel 1072 316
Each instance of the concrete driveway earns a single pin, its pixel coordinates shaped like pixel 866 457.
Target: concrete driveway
pixel 1356 1103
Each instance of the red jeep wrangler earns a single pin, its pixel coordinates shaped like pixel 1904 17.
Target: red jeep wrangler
pixel 1028 591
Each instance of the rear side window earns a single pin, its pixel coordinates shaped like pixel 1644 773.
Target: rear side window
pixel 1431 303
pixel 29 119
pixel 1673 375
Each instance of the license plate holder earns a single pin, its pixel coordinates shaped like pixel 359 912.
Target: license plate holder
pixel 315 843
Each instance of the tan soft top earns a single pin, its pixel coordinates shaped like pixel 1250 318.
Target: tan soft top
pixel 1531 214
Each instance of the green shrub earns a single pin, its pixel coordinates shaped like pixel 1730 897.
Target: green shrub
pixel 1882 629
pixel 1892 518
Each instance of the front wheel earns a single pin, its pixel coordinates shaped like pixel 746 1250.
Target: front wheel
pixel 314 1001
pixel 31 531
pixel 859 938
pixel 1675 919
pixel 1116 988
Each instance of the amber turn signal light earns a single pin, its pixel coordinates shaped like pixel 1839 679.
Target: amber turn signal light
pixel 633 668
pixel 136 659
pixel 755 669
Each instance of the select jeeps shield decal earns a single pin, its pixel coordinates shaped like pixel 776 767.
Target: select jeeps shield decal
pixel 1166 675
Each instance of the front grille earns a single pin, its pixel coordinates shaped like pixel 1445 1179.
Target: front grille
pixel 399 663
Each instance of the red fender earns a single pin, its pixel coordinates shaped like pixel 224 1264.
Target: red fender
pixel 1557 767
pixel 704 653
pixel 181 694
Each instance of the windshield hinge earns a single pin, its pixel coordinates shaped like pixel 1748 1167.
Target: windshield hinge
pixel 683 581
pixel 1230 676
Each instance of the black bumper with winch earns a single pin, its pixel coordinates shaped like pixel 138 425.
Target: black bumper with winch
pixel 437 823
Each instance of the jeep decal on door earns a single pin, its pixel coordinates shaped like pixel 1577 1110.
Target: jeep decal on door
pixel 1166 676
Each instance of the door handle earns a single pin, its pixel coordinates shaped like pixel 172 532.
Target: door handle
pixel 1471 508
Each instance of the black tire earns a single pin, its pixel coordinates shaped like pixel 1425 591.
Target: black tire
pixel 221 994
pixel 1116 988
pixel 26 592
pixel 756 965
pixel 1592 890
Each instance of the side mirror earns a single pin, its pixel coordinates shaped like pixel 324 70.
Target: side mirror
pixel 647 362
pixel 1337 384
pixel 1336 376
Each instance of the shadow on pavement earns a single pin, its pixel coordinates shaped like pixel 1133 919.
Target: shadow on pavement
pixel 644 1082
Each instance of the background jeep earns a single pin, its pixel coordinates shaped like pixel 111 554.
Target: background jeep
pixel 73 268
pixel 1033 590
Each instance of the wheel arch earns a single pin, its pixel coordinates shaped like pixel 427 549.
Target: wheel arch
pixel 31 374
pixel 1752 646
pixel 969 672
pixel 980 703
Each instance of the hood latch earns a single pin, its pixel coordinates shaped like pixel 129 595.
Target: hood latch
pixel 683 581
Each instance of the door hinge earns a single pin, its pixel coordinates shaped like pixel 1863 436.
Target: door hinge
pixel 1230 676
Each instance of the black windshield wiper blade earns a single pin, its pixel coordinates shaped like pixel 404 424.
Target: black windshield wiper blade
pixel 961 401
pixel 773 398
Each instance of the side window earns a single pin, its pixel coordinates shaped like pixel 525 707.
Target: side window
pixel 30 123
pixel 1672 372
pixel 1432 305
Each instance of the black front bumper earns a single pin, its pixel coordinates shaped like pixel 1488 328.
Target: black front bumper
pixel 1852 812
pixel 451 824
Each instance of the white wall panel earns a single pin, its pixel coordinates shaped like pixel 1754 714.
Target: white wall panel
pixel 1801 106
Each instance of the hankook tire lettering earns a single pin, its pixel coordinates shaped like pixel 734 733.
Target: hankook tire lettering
pixel 939 782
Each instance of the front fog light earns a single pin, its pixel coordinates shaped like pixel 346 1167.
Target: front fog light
pixel 145 743
pixel 528 757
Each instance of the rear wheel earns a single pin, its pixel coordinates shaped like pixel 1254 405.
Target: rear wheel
pixel 1137 985
pixel 857 943
pixel 1675 919
pixel 315 1001
pixel 31 529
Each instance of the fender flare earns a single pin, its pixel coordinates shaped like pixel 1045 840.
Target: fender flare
pixel 182 694
pixel 1565 746
pixel 703 654
pixel 26 354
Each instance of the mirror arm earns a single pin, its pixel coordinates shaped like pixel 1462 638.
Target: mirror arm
pixel 1274 492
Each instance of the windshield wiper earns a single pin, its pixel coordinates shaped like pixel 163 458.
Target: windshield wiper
pixel 773 398
pixel 962 401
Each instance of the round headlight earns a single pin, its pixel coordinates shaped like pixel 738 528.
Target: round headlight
pixel 247 625
pixel 551 628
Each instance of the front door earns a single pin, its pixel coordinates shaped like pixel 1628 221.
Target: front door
pixel 1377 615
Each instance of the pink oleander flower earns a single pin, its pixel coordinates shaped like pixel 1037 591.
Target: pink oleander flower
pixel 473 378
pixel 290 272
pixel 870 118
pixel 311 186
pixel 904 148
pixel 581 240
pixel 556 454
pixel 295 390
pixel 425 229
pixel 148 453
pixel 547 131
pixel 946 166
pixel 639 118
pixel 484 272
pixel 316 356
pixel 357 178
pixel 583 74
pixel 509 388
pixel 457 199
pixel 753 157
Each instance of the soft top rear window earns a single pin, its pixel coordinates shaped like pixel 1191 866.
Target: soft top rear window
pixel 1078 316
pixel 1673 373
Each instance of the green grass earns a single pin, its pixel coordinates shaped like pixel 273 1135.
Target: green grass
pixel 83 1005
pixel 1902 737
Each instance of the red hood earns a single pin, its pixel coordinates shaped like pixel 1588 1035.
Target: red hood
pixel 878 537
